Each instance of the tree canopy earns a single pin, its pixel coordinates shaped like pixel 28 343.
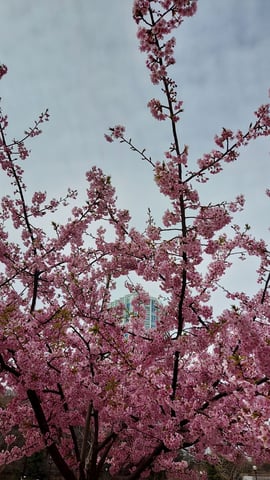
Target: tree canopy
pixel 100 394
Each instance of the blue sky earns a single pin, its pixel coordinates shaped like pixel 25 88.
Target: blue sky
pixel 80 59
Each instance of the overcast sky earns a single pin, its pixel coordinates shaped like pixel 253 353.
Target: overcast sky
pixel 80 59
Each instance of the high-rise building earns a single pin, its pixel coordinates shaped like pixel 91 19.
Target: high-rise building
pixel 151 308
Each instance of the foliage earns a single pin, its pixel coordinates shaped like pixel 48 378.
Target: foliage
pixel 225 470
pixel 97 393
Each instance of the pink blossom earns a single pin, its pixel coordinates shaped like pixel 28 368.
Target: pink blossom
pixel 3 70
pixel 116 132
pixel 156 109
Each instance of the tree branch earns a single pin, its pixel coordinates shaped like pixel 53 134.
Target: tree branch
pixel 45 431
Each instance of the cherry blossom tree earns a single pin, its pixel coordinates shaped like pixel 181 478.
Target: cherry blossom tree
pixel 99 394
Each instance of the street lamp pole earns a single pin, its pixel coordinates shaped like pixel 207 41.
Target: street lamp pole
pixel 255 471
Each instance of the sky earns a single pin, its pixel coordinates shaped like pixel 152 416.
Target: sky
pixel 80 59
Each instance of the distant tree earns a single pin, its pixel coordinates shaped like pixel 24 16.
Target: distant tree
pixel 99 394
pixel 225 470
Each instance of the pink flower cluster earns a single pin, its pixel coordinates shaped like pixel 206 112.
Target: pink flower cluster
pixel 211 219
pixel 3 70
pixel 117 132
pixel 22 150
pixel 159 21
pixel 225 136
pixel 156 109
